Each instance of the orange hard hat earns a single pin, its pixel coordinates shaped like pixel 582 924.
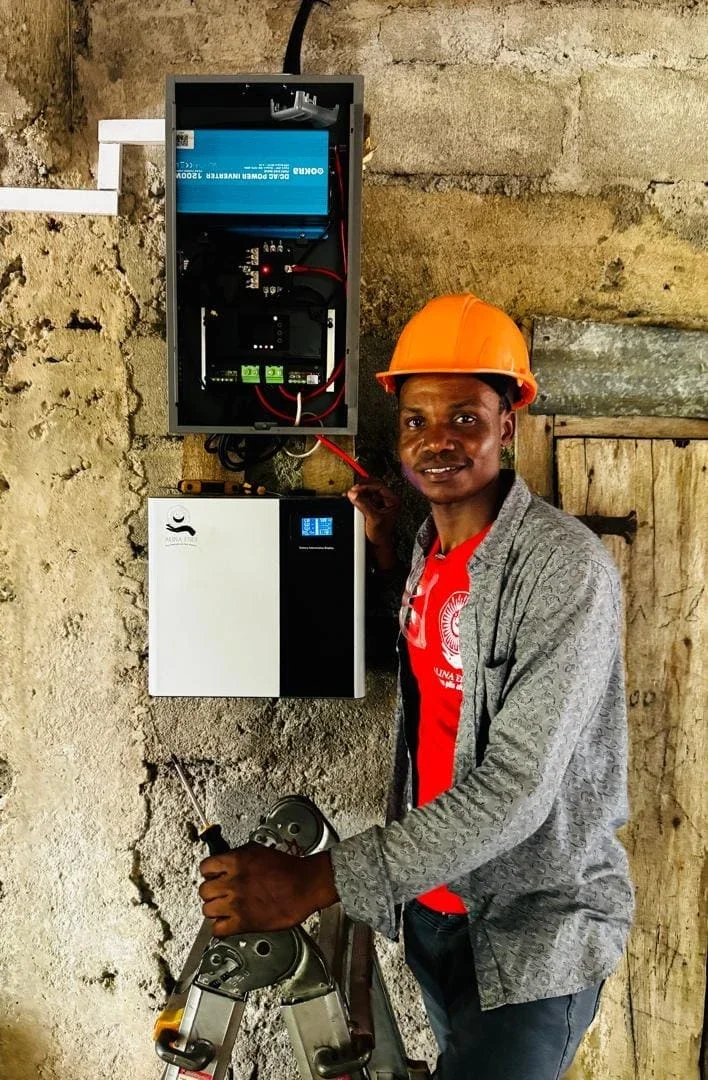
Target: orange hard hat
pixel 462 335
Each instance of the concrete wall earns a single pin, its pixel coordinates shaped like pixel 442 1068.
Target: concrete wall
pixel 551 157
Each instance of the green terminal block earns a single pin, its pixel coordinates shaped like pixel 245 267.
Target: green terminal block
pixel 274 373
pixel 250 373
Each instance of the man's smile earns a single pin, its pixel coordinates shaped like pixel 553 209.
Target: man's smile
pixel 442 472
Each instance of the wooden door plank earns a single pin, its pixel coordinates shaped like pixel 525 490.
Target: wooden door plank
pixel 629 427
pixel 651 1018
pixel 534 452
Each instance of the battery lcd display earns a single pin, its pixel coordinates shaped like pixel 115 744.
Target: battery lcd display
pixel 316 526
pixel 252 172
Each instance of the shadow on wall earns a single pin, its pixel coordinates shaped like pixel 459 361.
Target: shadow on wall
pixel 376 446
pixel 378 435
pixel 24 1049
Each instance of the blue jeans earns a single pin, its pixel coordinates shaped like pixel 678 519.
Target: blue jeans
pixel 533 1041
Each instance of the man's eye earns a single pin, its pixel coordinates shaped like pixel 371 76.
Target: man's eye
pixel 413 422
pixel 465 418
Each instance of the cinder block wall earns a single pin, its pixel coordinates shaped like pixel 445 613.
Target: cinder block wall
pixel 551 157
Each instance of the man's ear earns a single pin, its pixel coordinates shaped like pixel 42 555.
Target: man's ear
pixel 508 427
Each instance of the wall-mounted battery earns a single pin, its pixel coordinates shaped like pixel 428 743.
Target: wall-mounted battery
pixel 256 597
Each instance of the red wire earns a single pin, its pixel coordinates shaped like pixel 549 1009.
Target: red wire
pixel 343 455
pixel 317 270
pixel 332 447
pixel 296 269
pixel 338 166
pixel 271 408
pixel 342 235
pixel 291 419
pixel 344 247
pixel 314 393
pixel 332 407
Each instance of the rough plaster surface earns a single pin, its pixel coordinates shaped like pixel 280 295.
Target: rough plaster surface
pixel 609 258
pixel 506 184
pixel 466 120
pixel 634 124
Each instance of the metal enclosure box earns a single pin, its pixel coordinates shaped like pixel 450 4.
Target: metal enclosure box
pixel 256 597
pixel 263 217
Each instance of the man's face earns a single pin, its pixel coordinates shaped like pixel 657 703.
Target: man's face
pixel 450 435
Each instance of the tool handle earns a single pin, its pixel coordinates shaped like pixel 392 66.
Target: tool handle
pixel 214 840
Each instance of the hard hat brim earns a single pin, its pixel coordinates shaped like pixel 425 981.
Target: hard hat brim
pixel 526 384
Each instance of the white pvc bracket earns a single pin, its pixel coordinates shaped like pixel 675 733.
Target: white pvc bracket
pixel 113 135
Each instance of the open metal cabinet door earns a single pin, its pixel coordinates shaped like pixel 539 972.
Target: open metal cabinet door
pixel 652 1013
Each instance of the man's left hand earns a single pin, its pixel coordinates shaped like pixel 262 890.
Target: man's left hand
pixel 258 888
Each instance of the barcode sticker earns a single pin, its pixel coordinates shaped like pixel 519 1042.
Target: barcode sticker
pixel 184 140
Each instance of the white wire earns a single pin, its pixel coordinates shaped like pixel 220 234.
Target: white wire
pixel 307 453
pixel 313 449
pixel 298 414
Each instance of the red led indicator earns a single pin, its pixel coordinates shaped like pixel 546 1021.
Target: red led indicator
pixel 265 269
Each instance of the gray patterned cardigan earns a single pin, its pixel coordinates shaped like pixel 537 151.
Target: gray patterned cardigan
pixel 526 834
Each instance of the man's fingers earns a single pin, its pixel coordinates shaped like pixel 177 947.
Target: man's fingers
pixel 377 501
pixel 219 907
pixel 213 888
pixel 223 923
pixel 215 865
pixel 226 926
pixel 223 928
pixel 374 494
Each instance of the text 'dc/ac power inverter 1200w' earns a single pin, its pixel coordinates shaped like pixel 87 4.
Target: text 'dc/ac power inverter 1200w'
pixel 256 597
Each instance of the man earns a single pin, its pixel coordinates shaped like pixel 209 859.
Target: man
pixel 509 779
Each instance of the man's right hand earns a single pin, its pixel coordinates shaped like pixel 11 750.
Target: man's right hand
pixel 380 507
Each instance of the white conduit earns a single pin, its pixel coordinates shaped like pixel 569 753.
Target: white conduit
pixel 113 135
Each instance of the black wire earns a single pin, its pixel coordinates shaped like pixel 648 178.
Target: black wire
pixel 291 62
pixel 232 450
pixel 235 454
pixel 314 244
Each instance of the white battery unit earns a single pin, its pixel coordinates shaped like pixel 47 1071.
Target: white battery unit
pixel 256 597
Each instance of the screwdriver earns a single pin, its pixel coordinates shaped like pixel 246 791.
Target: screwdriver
pixel 210 834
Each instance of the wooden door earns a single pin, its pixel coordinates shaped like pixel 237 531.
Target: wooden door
pixel 652 1014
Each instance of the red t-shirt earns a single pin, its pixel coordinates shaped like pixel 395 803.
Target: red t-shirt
pixel 434 648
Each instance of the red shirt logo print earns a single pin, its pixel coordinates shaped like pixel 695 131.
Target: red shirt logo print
pixel 450 628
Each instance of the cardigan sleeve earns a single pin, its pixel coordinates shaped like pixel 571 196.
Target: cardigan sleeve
pixel 566 646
